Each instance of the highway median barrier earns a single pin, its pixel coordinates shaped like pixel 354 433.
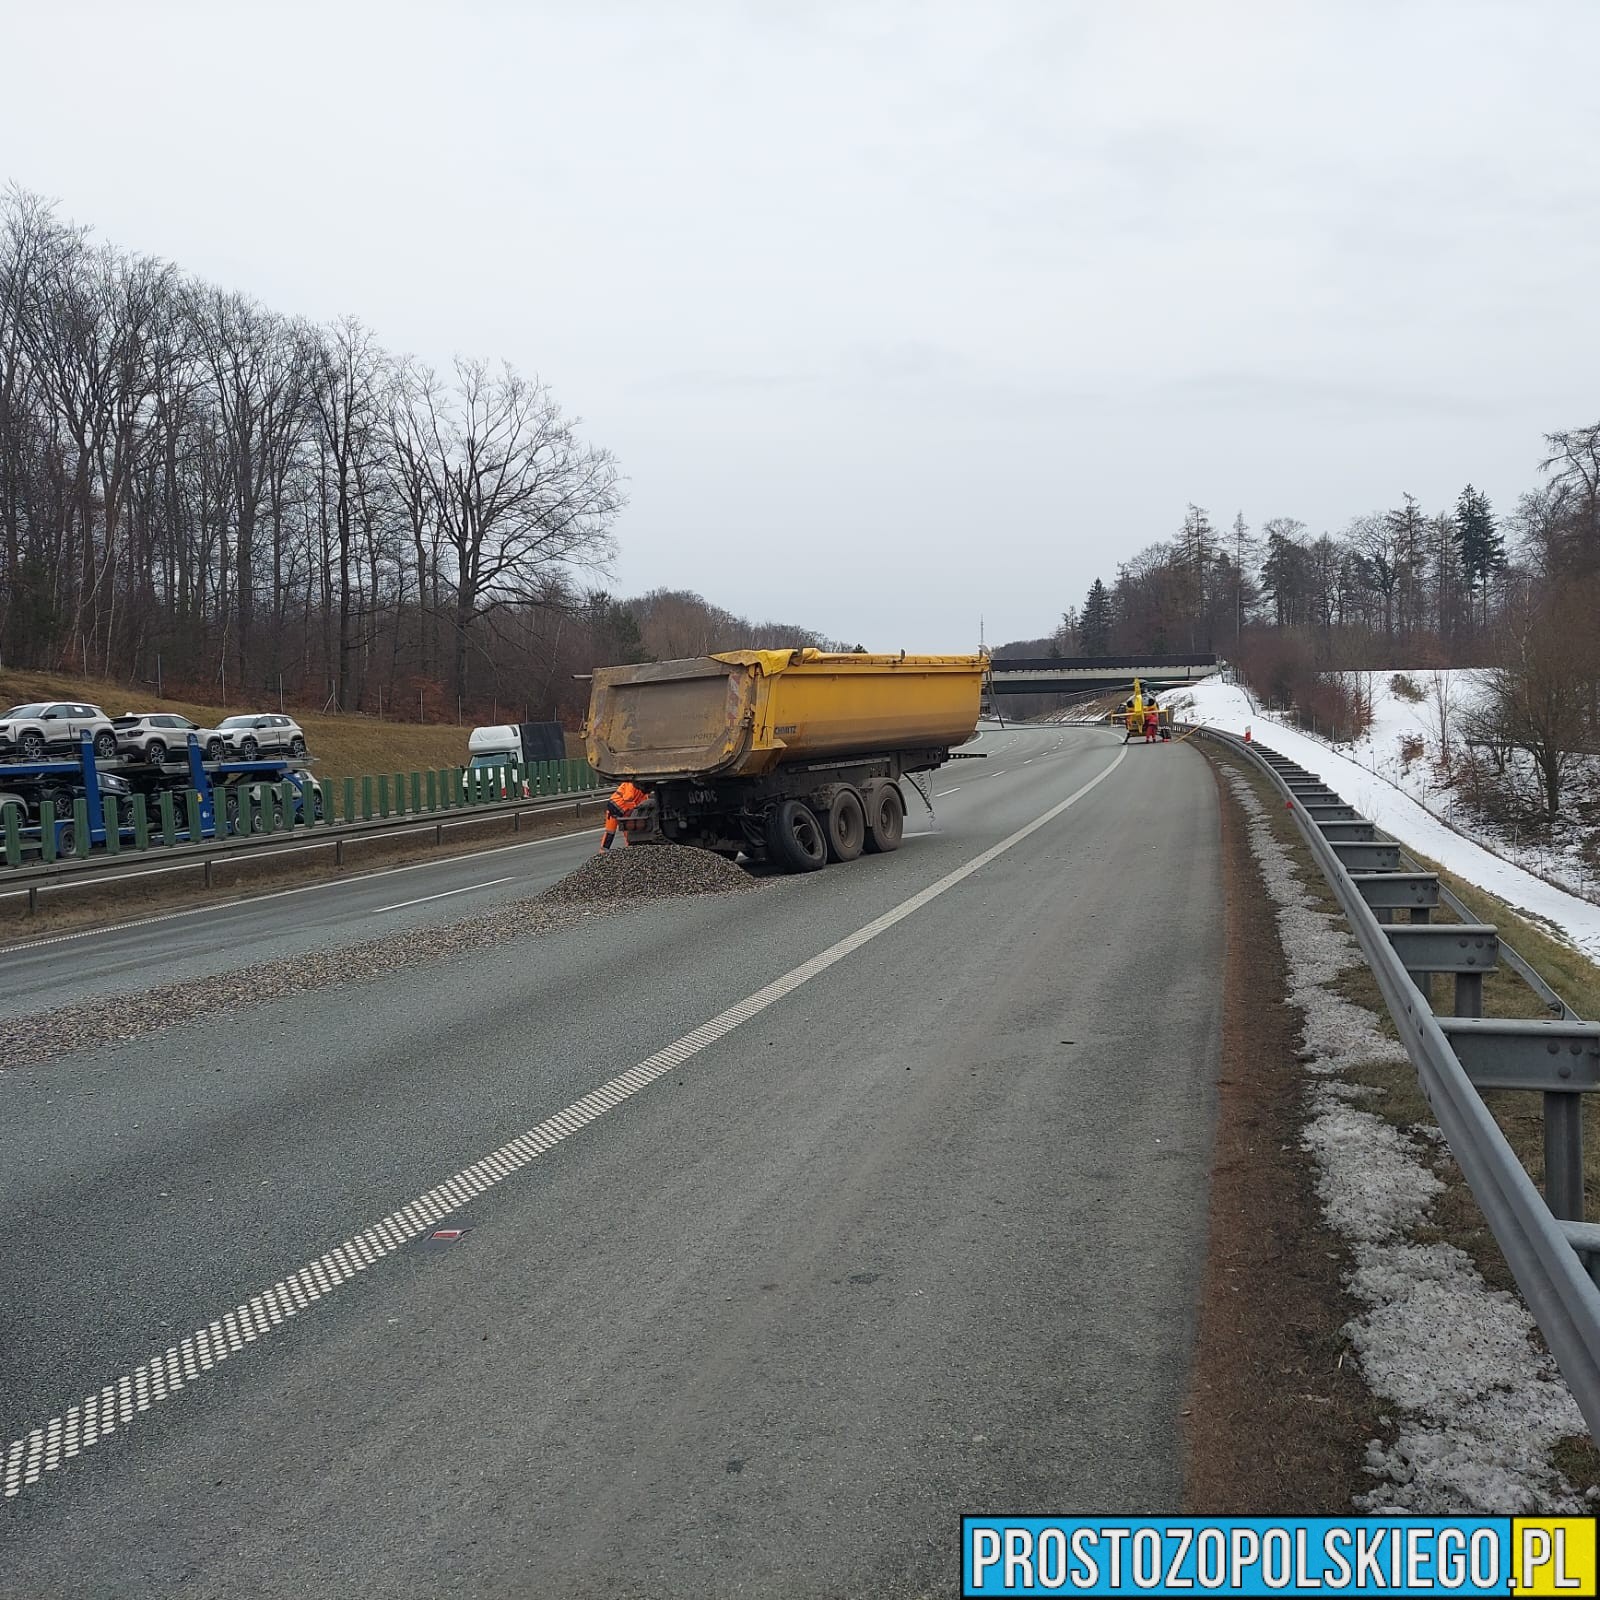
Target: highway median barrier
pixel 244 825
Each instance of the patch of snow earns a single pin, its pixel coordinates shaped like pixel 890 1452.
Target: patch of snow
pixel 1371 1185
pixel 1480 1404
pixel 1227 706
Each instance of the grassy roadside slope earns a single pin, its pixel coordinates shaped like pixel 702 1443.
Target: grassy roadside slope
pixel 342 745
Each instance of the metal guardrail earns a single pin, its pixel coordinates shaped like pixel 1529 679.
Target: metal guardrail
pixel 105 867
pixel 1551 1250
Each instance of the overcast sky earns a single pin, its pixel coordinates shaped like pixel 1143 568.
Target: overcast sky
pixel 894 314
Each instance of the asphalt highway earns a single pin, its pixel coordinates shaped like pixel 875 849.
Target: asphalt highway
pixel 915 1230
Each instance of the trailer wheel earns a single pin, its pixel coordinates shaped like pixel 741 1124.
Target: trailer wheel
pixel 155 753
pixel 795 839
pixel 66 841
pixel 886 818
pixel 845 823
pixel 105 745
pixel 31 744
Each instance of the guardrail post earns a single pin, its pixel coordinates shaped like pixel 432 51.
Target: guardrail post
pixel 47 831
pixel 141 823
pixel 366 799
pixel 169 823
pixel 399 794
pixel 416 793
pixel 1563 1155
pixel 191 805
pixel 1469 994
pixel 113 816
pixel 81 842
pixel 349 814
pixel 433 789
pixel 383 795
pixel 13 836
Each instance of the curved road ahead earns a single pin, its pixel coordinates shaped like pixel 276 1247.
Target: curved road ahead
pixel 855 1203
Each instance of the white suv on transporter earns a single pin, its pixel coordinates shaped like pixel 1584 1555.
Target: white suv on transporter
pixel 27 731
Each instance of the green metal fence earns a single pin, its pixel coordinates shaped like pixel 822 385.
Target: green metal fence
pixel 138 823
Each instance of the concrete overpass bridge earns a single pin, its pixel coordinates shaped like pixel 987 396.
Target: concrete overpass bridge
pixel 1076 674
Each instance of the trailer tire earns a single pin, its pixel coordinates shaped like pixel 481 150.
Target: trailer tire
pixel 795 839
pixel 66 841
pixel 845 824
pixel 886 817
pixel 155 753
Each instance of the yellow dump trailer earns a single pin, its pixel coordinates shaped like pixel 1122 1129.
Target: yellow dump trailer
pixel 790 755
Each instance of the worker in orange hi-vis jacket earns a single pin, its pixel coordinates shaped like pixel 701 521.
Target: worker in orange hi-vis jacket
pixel 625 799
pixel 1151 723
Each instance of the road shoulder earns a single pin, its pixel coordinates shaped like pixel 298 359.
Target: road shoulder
pixel 1277 1417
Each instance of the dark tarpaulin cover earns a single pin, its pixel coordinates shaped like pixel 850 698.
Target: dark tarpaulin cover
pixel 543 741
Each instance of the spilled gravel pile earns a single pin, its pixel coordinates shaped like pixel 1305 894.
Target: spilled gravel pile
pixel 602 886
pixel 648 872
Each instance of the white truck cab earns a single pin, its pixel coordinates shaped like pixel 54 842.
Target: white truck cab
pixel 497 746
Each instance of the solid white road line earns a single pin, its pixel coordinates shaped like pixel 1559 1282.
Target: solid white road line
pixel 117 1403
pixel 443 894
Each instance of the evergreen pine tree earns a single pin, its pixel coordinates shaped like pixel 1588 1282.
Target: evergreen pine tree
pixel 1094 624
pixel 1483 549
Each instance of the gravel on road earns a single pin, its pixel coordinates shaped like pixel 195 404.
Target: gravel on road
pixel 605 885
pixel 649 872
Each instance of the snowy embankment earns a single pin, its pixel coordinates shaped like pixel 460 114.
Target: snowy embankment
pixel 1226 706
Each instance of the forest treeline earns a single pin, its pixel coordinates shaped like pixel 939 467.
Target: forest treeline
pixel 198 490
pixel 1303 616
pixel 1402 583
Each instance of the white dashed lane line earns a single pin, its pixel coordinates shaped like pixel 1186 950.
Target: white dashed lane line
pixel 443 894
pixel 277 894
pixel 115 1405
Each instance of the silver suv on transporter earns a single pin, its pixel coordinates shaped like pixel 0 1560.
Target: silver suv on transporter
pixel 160 736
pixel 262 733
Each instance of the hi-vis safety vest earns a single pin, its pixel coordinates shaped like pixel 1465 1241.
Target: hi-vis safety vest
pixel 625 799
